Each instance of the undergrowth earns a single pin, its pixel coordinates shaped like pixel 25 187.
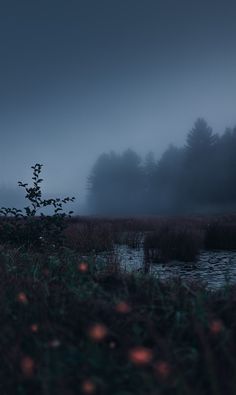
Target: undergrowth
pixel 31 227
pixel 71 326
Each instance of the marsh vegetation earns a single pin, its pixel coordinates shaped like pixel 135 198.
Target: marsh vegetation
pixel 76 318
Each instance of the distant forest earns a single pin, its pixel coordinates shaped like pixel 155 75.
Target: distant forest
pixel 199 177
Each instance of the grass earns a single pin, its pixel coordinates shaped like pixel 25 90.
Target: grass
pixel 169 244
pixel 221 235
pixel 70 326
pixel 76 324
pixel 166 238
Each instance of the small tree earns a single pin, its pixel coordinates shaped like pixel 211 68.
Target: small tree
pixel 31 227
pixel 200 163
pixel 200 137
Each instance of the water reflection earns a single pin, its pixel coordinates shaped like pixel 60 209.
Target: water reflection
pixel 213 268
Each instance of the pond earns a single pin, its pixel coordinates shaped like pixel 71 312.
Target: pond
pixel 213 268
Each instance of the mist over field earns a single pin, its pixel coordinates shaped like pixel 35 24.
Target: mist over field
pixel 117 197
pixel 80 79
pixel 196 178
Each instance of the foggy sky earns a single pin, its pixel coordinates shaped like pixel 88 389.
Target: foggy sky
pixel 78 78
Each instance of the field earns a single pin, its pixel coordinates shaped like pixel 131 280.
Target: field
pixel 74 323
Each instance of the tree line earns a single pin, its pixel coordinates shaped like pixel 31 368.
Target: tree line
pixel 198 177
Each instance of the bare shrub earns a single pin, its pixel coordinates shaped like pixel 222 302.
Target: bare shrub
pixel 89 236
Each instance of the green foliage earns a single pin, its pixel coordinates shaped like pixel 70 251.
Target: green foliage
pixel 33 228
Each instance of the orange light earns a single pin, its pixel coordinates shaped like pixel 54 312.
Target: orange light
pixel 88 387
pixel 216 326
pixel 83 267
pixel 163 369
pixel 27 366
pixel 97 332
pixel 140 355
pixel 22 298
pixel 34 328
pixel 123 308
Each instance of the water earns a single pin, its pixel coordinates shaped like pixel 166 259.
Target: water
pixel 213 268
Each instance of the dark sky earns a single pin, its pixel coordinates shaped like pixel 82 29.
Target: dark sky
pixel 81 77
